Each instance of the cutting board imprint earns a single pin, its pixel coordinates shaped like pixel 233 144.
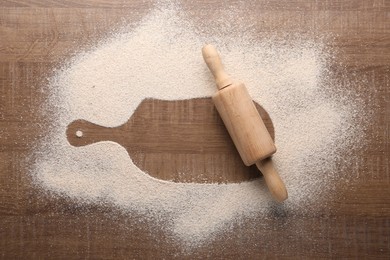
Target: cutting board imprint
pixel 191 146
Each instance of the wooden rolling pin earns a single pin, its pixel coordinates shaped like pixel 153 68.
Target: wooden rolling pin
pixel 244 123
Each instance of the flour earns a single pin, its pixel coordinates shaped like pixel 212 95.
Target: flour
pixel 79 133
pixel 161 58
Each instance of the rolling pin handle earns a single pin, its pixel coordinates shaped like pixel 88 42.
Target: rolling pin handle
pixel 213 61
pixel 273 180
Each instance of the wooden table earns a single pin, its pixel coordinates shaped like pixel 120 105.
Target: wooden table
pixel 35 37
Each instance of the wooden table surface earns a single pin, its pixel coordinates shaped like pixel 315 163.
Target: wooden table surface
pixel 36 36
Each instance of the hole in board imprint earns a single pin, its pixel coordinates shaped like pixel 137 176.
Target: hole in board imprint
pixel 79 133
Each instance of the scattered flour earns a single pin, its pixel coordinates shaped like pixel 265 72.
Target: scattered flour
pixel 161 58
pixel 79 133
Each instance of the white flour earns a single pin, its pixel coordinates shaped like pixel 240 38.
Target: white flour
pixel 161 58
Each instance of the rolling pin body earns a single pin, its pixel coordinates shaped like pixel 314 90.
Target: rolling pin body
pixel 244 123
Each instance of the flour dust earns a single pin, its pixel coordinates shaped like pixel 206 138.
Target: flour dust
pixel 161 58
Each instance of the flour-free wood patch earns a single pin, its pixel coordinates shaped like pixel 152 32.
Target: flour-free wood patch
pixel 171 140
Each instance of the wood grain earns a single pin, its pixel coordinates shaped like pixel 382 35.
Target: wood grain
pixel 178 146
pixel 36 36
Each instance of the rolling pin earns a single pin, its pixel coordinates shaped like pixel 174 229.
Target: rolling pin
pixel 244 123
